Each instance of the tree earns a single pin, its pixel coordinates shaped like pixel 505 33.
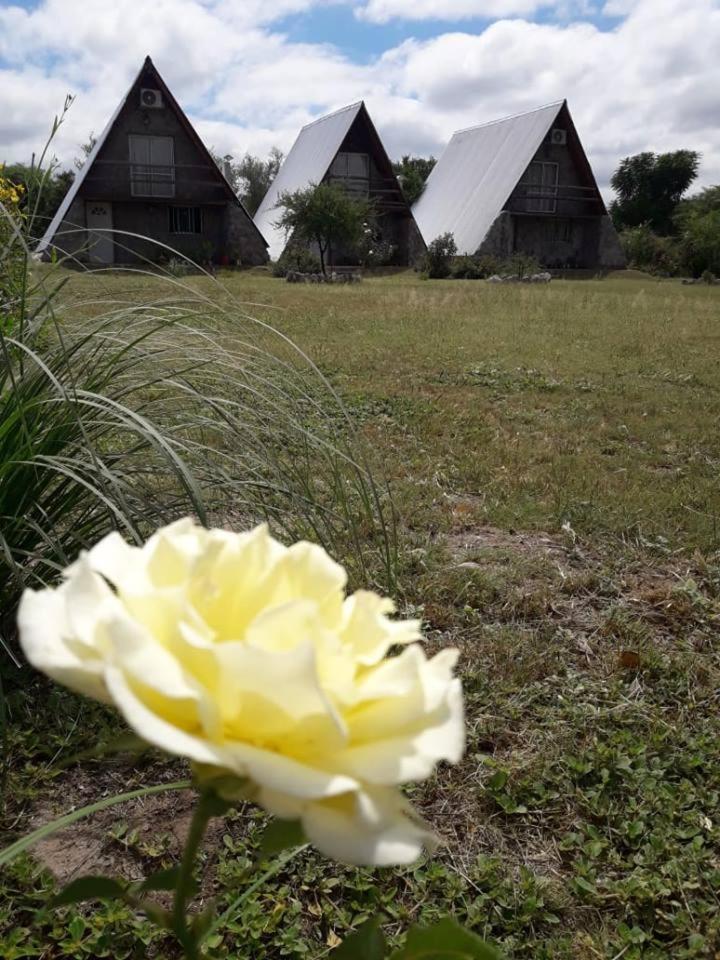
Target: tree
pixel 700 243
pixel 325 215
pixel 43 191
pixel 649 187
pixel 412 172
pixel 251 177
pixel 698 205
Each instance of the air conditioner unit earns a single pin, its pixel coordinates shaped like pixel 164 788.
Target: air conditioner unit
pixel 558 137
pixel 150 99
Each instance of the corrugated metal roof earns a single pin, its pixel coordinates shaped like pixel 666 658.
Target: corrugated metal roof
pixel 308 162
pixel 476 174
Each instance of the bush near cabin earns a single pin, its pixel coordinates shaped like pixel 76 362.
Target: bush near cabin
pixel 12 250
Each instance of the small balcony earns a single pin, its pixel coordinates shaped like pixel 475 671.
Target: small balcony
pixel 184 182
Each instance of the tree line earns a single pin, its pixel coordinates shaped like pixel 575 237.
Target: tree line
pixel 662 229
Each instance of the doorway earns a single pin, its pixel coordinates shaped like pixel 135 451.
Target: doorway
pixel 101 248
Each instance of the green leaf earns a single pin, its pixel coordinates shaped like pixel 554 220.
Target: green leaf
pixel 366 943
pixel 202 922
pixel 162 880
pixel 582 884
pixel 445 940
pixel 498 780
pixel 279 835
pixel 89 888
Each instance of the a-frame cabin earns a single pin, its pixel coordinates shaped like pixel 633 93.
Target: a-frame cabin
pixel 344 148
pixel 521 185
pixel 150 186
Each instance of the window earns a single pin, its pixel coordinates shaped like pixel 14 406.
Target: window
pixel 185 220
pixel 152 170
pixel 354 171
pixel 559 231
pixel 541 183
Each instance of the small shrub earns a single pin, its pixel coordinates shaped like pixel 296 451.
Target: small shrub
pixel 475 268
pixel 647 251
pixel 520 265
pixel 438 260
pixel 707 276
pixel 372 249
pixel 12 252
pixel 177 267
pixel 298 258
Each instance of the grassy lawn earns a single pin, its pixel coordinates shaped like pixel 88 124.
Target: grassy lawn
pixel 553 454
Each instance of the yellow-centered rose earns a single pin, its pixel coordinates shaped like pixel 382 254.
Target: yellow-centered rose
pixel 241 653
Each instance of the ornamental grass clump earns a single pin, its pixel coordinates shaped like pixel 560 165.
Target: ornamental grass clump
pixel 125 413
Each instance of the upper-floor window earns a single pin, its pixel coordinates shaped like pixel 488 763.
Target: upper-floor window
pixel 152 166
pixel 354 170
pixel 541 186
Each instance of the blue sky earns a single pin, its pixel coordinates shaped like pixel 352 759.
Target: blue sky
pixel 638 74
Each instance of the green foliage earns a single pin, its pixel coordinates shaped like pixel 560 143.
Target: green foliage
pixel 521 265
pixel 325 215
pixel 468 268
pixel 700 243
pixel 706 201
pixel 437 262
pixel 500 413
pixel 251 176
pixel 373 250
pixel 412 173
pixel 649 187
pixel 279 835
pixel 13 253
pixel 296 257
pixel 645 250
pixel 366 943
pixel 43 192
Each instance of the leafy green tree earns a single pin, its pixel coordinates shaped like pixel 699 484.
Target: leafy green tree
pixel 700 243
pixel 42 193
pixel 649 187
pixel 412 172
pixel 251 177
pixel 437 263
pixel 698 205
pixel 325 215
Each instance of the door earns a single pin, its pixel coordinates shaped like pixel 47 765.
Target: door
pixel 98 217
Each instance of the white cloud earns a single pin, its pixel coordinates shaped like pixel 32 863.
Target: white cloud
pixel 649 83
pixel 382 11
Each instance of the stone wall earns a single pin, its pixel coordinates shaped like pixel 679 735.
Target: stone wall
pixel 500 237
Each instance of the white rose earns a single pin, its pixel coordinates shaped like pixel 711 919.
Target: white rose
pixel 238 652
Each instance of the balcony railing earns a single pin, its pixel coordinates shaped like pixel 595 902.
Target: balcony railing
pixel 118 179
pixel 535 198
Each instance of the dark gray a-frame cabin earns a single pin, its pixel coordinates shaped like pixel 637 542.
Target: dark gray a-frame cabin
pixel 344 148
pixel 523 184
pixel 150 186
